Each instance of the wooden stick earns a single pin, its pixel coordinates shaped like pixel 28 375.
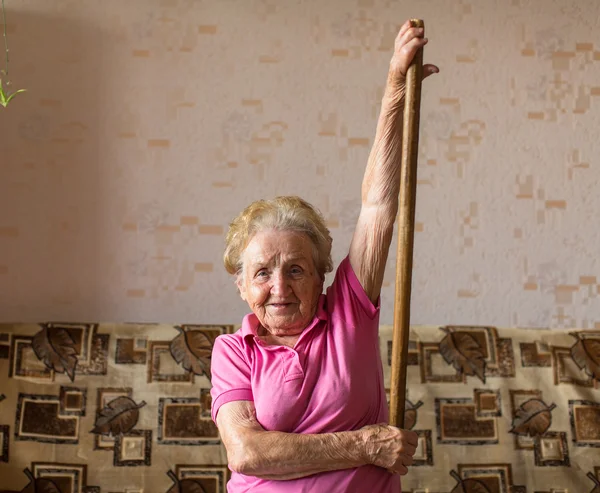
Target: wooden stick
pixel 406 233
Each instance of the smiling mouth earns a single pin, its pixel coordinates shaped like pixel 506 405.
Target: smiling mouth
pixel 280 305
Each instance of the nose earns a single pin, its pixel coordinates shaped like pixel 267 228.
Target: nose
pixel 279 284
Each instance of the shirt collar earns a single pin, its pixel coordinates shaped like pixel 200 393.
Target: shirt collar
pixel 250 322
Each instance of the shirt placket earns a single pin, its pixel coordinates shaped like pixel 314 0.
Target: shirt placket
pixel 292 365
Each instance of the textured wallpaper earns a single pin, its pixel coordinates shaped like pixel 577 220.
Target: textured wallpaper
pixel 148 125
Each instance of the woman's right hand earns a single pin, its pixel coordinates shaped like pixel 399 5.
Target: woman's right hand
pixel 408 41
pixel 389 447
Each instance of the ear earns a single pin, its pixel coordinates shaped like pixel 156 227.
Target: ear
pixel 321 283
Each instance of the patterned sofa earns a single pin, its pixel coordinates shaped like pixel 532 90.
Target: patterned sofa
pixel 124 408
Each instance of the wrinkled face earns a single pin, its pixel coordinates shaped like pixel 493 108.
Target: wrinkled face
pixel 280 282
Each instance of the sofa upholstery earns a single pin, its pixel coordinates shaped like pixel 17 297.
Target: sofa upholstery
pixel 124 408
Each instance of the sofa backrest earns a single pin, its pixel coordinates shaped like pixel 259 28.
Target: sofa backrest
pixel 99 408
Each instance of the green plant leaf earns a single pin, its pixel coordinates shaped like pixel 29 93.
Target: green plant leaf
pixel 14 94
pixel 6 98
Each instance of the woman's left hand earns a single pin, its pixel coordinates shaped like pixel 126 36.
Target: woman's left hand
pixel 389 447
pixel 408 42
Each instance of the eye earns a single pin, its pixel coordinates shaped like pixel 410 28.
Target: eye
pixel 295 270
pixel 262 273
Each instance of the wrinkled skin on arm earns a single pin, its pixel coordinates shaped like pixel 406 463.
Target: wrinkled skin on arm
pixel 381 184
pixel 253 451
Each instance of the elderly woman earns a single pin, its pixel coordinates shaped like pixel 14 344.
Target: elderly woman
pixel 298 393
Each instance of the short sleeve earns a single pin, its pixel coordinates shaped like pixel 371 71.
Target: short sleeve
pixel 350 297
pixel 230 371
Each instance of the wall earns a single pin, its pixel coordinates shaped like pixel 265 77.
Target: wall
pixel 149 124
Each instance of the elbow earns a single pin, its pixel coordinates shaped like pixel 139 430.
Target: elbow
pixel 242 460
pixel 380 218
pixel 383 209
pixel 239 464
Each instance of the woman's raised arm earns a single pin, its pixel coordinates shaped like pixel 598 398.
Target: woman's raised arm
pixel 381 184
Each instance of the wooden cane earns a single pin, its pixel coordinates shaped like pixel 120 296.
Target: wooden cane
pixel 406 233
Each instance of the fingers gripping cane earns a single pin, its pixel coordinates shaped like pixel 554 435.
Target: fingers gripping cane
pixel 406 232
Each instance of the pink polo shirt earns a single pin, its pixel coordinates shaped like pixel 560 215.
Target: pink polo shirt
pixel 331 381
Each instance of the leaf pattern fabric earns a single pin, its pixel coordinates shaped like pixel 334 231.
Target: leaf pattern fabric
pixel 119 407
pixel 118 417
pixel 596 481
pixel 410 414
pixel 40 485
pixel 533 418
pixel 55 347
pixel 586 354
pixel 461 350
pixel 185 485
pixel 192 350
pixel 468 485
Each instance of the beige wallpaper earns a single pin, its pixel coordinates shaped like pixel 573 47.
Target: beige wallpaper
pixel 148 125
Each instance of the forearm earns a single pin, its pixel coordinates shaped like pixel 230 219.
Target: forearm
pixel 282 456
pixel 381 181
